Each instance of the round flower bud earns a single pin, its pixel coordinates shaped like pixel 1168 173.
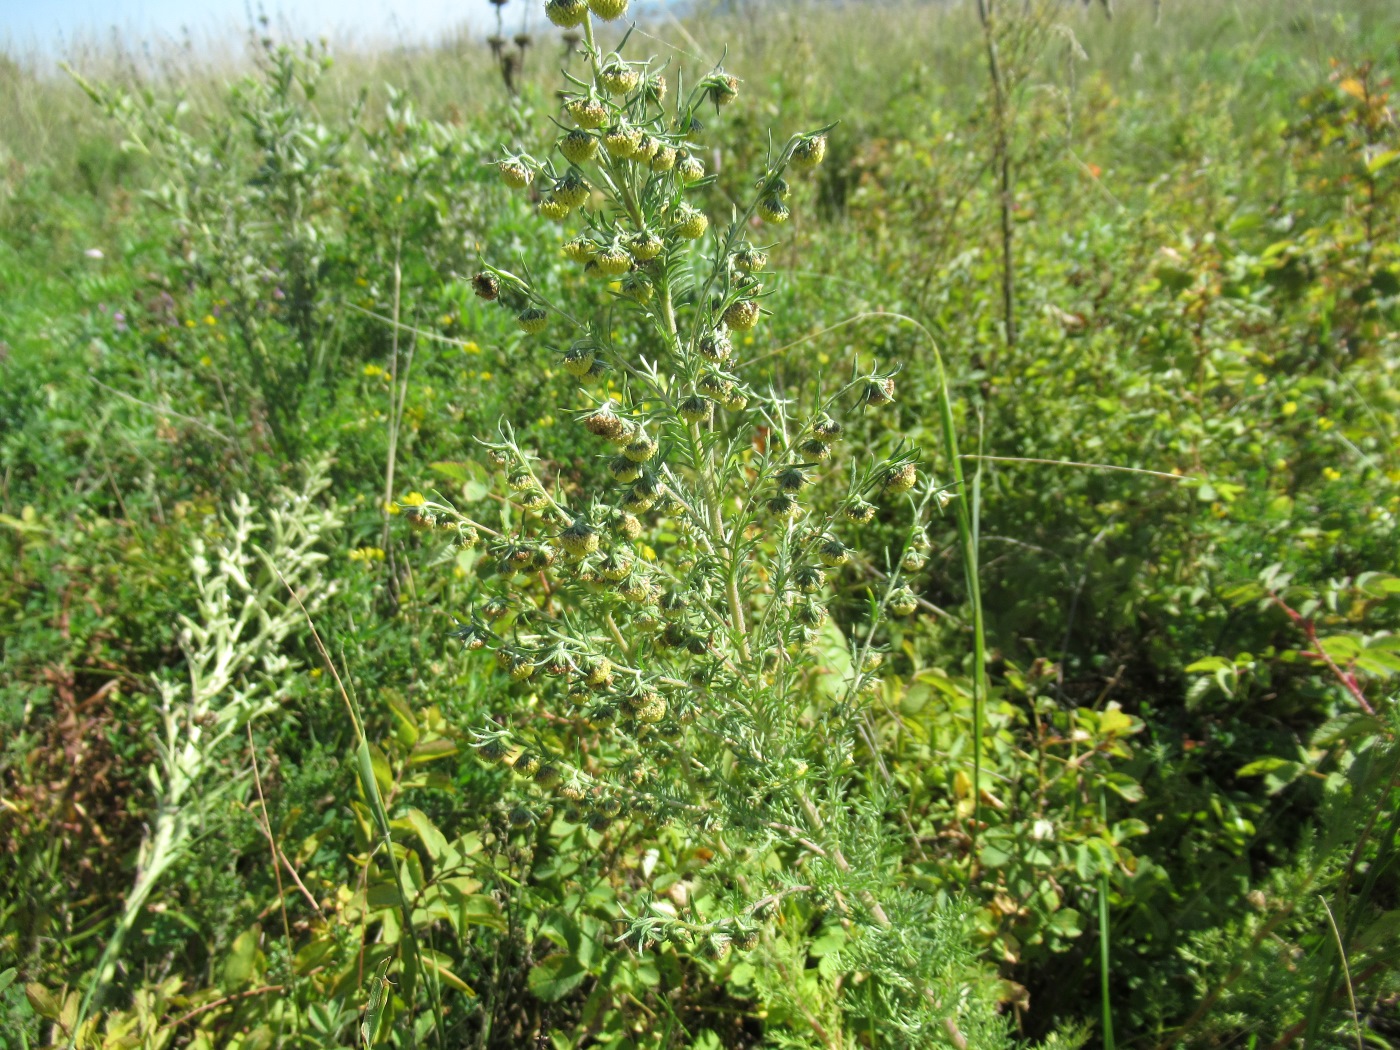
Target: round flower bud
pixel 572 190
pixel 498 458
pixel 715 346
pixel 638 286
pixel 664 159
pixel 721 88
pixel 808 153
pixel 833 553
pixel 691 223
pixel 742 314
pixel 495 608
pixel 646 149
pixel 587 112
pixel 749 259
pixel 746 940
pixel 597 370
pixel 628 527
pixel 624 470
pixel 637 501
pixel 526 764
pixel 520 817
pixel 621 141
pixel 694 409
pixel 487 286
pixel 784 506
pixel 578 146
pixel 578 359
pixel 913 560
pixel 599 672
pixel 566 13
pixel 715 385
pixel 771 209
pixel 542 557
pixel 533 500
pixel 809 579
pixel 860 512
pixel 579 250
pixel 618 564
pixel 548 776
pixel 814 449
pixel 613 261
pixel 598 822
pixel 572 792
pixel 573 815
pixel 521 668
pixel 651 710
pixel 553 208
pixel 618 78
pixel 515 174
pixel 717 946
pixel 691 168
pixel 532 320
pixel 827 428
pixel 466 536
pixel 879 391
pixel 635 588
pixel 673 605
pixel 608 10
pixel 645 246
pixel 605 423
pixel 492 750
pixel 640 449
pixel 655 88
pixel 736 401
pixel 793 479
pixel 900 479
pixel 579 540
pixel 903 602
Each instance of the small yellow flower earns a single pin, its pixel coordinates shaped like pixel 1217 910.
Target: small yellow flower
pixel 190 323
pixel 367 554
pixel 486 377
pixel 372 371
pixel 315 672
pixel 1289 407
pixel 1323 423
pixel 1259 379
pixel 210 319
pixel 470 348
pixel 206 360
pixel 1331 474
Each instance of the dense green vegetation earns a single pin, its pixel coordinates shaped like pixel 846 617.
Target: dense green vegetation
pixel 241 358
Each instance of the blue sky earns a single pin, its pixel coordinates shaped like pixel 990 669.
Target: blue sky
pixel 51 26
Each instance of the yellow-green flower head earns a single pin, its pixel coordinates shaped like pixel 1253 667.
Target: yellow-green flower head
pixel 879 391
pixel 664 159
pixel 827 428
pixel 808 153
pixel 742 314
pixel 655 88
pixel 532 320
pixel 599 669
pixel 579 249
pixel 694 409
pixel 900 479
pixel 903 602
pixel 785 507
pixel 578 146
pixel 749 259
pixel 587 112
pixel 645 246
pixel 651 709
pixel 578 359
pixel 638 501
pixel 515 174
pixel 715 385
pixel 606 423
pixel 579 540
pixel 809 579
pixel 617 565
pixel 638 286
pixel 553 208
pixel 487 286
pixel 691 168
pixel 721 88
pixel 736 400
pixel 608 10
pixel 814 449
pixel 715 346
pixel 627 526
pixel 647 148
pixel 572 190
pixel 833 553
pixel 690 223
pixel 620 140
pixel 640 449
pixel 566 14
pixel 618 78
pixel 771 209
pixel 613 260
pixel 624 470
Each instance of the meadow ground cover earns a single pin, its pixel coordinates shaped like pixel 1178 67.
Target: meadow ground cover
pixel 800 525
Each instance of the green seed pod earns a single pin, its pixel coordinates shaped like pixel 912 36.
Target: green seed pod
pixel 566 14
pixel 486 286
pixel 690 223
pixel 694 409
pixel 833 553
pixel 578 359
pixel 808 153
pixel 618 78
pixel 608 10
pixel 532 320
pixel 578 146
pixel 771 209
pixel 587 113
pixel 742 314
pixel 903 603
pixel 515 174
pixel 900 479
pixel 624 470
pixel 809 579
pixel 579 540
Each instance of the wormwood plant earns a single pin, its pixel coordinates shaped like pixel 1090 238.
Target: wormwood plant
pixel 675 669
pixel 232 665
